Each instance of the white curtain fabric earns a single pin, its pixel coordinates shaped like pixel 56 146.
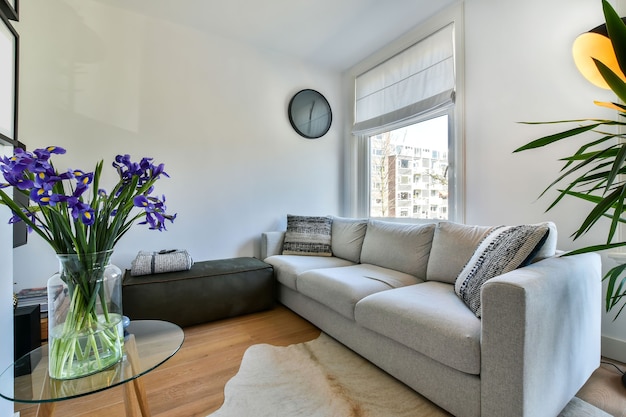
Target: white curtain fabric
pixel 416 81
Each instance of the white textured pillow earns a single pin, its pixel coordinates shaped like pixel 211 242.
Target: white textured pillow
pixel 504 249
pixel 347 238
pixel 307 235
pixel 399 246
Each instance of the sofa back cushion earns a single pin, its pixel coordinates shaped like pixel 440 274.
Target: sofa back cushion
pixel 398 246
pixel 347 238
pixel 455 243
pixel 453 246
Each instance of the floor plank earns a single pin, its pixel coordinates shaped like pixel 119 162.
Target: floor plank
pixel 191 383
pixel 604 389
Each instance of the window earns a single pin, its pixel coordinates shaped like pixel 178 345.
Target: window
pixel 407 129
pixel 433 134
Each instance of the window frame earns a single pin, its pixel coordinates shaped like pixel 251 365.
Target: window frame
pixel 364 180
pixel 356 197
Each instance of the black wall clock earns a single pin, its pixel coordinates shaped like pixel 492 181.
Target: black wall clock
pixel 310 114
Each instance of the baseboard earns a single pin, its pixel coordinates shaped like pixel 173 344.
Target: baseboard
pixel 614 349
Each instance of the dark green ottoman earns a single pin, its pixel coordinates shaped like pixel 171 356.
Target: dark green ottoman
pixel 210 290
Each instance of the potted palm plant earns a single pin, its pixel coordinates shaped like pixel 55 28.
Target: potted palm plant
pixel 595 172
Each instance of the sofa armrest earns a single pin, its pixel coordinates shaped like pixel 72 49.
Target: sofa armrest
pixel 540 335
pixel 271 243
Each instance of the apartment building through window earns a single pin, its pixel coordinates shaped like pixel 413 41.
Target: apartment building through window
pixel 419 152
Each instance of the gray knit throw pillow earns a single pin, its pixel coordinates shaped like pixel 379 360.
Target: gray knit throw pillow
pixel 504 249
pixel 308 235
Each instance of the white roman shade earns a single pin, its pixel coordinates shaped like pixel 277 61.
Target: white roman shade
pixel 415 81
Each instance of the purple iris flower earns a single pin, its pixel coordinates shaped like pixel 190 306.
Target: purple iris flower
pixel 34 173
pixel 155 211
pixel 87 217
pixel 82 182
pixel 18 181
pixel 83 178
pixel 41 196
pixel 78 209
pixel 158 170
pixel 143 202
pixel 45 153
pixel 28 213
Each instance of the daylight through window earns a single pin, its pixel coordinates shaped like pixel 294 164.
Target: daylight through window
pixel 420 152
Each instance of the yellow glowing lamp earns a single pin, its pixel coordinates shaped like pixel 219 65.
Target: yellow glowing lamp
pixel 595 44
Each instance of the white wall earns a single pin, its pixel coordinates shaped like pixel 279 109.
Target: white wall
pixel 6 291
pixel 101 81
pixel 519 68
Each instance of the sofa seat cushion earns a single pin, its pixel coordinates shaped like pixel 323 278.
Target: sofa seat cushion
pixel 341 288
pixel 428 318
pixel 288 267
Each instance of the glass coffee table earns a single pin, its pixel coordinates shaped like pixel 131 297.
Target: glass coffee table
pixel 149 343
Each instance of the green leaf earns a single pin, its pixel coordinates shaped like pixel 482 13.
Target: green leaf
pixel 617 33
pixel 618 208
pixel 598 211
pixel 617 165
pixel 553 122
pixel 592 158
pixel 614 293
pixel 8 201
pixel 596 248
pixel 596 142
pixel 584 196
pixel 614 81
pixel 609 152
pixel 546 140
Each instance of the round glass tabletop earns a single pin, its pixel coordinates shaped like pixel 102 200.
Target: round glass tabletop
pixel 149 344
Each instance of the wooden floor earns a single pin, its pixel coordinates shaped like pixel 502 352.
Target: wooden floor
pixel 191 383
pixel 605 390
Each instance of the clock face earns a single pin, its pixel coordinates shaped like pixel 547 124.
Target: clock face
pixel 310 114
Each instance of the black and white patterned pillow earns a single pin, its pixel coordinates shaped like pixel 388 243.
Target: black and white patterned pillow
pixel 308 235
pixel 504 249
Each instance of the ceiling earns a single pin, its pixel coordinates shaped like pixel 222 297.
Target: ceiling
pixel 333 34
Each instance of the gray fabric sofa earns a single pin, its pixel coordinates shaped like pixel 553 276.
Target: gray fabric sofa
pixel 388 293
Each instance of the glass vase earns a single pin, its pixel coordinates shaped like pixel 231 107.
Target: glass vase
pixel 85 333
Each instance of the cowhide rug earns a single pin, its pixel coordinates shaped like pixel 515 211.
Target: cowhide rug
pixel 322 378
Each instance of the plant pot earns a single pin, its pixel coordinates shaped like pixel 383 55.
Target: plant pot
pixel 85 333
